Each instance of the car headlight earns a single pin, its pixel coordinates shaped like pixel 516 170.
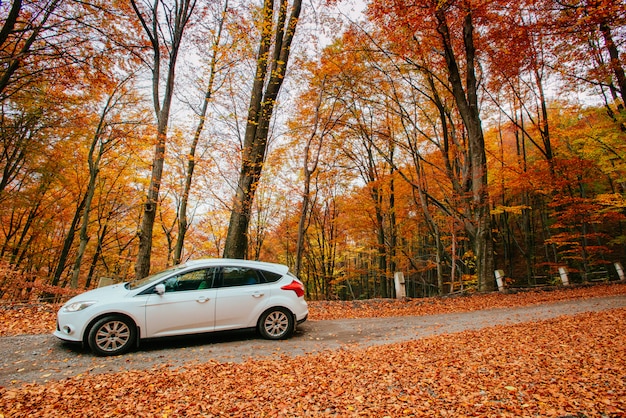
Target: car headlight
pixel 78 306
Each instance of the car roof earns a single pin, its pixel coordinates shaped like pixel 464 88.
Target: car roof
pixel 262 265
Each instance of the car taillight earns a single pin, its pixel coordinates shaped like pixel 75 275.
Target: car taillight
pixel 296 287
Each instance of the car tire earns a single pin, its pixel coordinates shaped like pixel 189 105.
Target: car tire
pixel 112 335
pixel 277 324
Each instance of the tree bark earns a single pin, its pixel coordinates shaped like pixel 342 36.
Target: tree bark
pixel 97 254
pixel 263 97
pixel 183 224
pixel 308 171
pixel 93 161
pixel 466 99
pixel 67 243
pixel 616 66
pixel 179 15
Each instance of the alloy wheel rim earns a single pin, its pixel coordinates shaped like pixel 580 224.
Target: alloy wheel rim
pixel 276 323
pixel 112 336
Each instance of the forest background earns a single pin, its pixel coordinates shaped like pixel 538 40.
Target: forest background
pixel 443 139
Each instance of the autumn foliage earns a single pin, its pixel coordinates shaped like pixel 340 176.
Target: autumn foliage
pixel 567 366
pixel 443 140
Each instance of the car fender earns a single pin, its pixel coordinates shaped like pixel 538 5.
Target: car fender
pixel 136 313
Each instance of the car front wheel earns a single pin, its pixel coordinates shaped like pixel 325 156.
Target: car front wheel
pixel 276 324
pixel 112 335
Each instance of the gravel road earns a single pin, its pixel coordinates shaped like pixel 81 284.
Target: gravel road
pixel 41 358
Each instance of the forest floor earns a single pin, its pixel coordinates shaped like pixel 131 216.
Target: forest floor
pixel 557 353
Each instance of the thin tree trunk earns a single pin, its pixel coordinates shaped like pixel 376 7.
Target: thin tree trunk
pixel 453 260
pixel 439 261
pixel 183 224
pixel 67 243
pixel 96 255
pixel 308 173
pixel 544 125
pixel 84 236
pixel 93 160
pixel 180 17
pixel 393 232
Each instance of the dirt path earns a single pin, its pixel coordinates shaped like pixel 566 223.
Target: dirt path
pixel 41 358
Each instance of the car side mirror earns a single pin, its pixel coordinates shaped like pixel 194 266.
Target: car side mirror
pixel 159 289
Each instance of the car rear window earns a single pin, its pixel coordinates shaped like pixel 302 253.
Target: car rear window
pixel 271 277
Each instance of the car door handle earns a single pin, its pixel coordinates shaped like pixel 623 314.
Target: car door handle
pixel 257 295
pixel 202 299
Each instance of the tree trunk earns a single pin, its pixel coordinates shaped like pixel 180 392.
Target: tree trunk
pixel 306 194
pixel 262 101
pixel 393 230
pixel 142 266
pixel 381 249
pixel 183 224
pixel 616 66
pixel 84 236
pixel 67 244
pixel 466 100
pixel 93 160
pixel 96 255
pixel 180 15
pixel 439 261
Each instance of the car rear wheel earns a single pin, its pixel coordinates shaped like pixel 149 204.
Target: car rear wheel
pixel 112 335
pixel 276 324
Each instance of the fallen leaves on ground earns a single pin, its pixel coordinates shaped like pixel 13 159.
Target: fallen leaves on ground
pixel 374 308
pixel 41 318
pixel 568 366
pixel 27 319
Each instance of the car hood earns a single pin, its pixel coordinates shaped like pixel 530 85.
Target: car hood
pixel 101 293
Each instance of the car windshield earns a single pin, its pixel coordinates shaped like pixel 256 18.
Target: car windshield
pixel 135 284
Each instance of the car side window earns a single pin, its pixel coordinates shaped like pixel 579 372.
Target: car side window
pixel 193 280
pixel 239 276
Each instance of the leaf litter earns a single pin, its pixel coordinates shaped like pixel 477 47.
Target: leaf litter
pixel 571 366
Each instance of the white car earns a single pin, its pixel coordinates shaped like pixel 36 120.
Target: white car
pixel 196 297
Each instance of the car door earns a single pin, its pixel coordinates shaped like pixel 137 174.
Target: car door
pixel 186 307
pixel 241 298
